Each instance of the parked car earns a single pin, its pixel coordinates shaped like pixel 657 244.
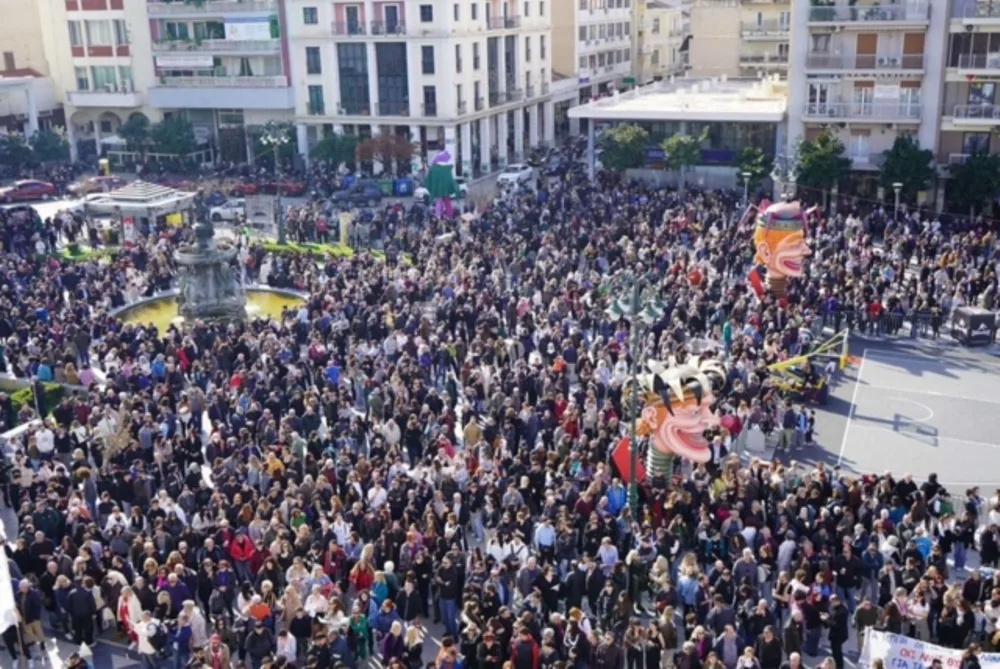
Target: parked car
pixel 289 187
pixel 360 193
pixel 99 184
pixel 514 174
pixel 22 191
pixel 557 166
pixel 245 188
pixel 421 194
pixel 228 210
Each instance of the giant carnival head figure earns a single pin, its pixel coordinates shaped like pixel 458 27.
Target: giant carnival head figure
pixel 677 401
pixel 780 242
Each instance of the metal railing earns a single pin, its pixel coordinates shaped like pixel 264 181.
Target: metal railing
pixel 316 109
pixel 763 59
pixel 210 7
pixel 219 45
pixel 857 61
pixel 386 28
pixel 355 109
pixel 898 323
pixel 876 110
pixel 502 22
pixel 224 82
pixel 977 112
pixel 514 95
pixel 480 103
pixel 866 159
pixel 429 109
pixel 545 88
pixel 529 91
pixel 461 107
pixel 765 27
pixel 978 61
pixel 392 108
pixel 975 10
pixel 348 28
pixel 497 98
pixel 956 158
pixel 911 12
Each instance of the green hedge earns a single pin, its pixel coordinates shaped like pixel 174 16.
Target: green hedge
pixel 53 394
pixel 76 253
pixel 318 250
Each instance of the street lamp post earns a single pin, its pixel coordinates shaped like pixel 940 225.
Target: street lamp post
pixel 277 135
pixel 641 306
pixel 896 187
pixel 746 188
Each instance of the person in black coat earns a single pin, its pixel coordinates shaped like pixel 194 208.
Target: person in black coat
pixel 608 655
pixel 595 583
pixel 768 649
pixel 839 624
pixel 408 601
pixel 82 608
pixel 575 586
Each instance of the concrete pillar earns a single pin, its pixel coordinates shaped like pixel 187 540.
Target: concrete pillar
pixel 372 78
pixel 32 110
pixel 377 166
pixel 485 143
pixel 71 137
pixel 502 151
pixel 533 125
pixel 550 124
pixel 248 140
pixel 302 138
pixel 97 135
pixel 590 147
pixel 519 134
pixel 574 126
pixel 466 130
pixel 501 69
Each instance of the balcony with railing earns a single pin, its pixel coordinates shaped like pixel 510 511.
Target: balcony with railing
pixel 217 92
pixel 763 59
pixel 316 108
pixel 503 22
pixel 480 104
pixel 219 45
pixel 497 98
pixel 887 111
pixel 112 96
pixel 462 107
pixel 354 108
pixel 348 28
pixel 514 95
pixel 914 12
pixel 768 28
pixel 950 159
pixel 429 109
pixel 392 108
pixel 976 115
pixel 857 61
pixel 975 9
pixel 545 88
pixel 209 7
pixel 977 61
pixel 861 161
pixel 529 91
pixel 389 29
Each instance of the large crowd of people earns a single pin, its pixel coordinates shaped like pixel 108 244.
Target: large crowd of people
pixel 414 468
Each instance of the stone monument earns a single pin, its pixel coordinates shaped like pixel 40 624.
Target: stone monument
pixel 209 289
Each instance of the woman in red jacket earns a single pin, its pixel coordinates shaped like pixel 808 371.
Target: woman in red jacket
pixel 362 575
pixel 243 552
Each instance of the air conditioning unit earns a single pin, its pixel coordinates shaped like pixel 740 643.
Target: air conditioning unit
pixel 883 62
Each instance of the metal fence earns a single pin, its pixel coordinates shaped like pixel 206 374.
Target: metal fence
pixel 898 324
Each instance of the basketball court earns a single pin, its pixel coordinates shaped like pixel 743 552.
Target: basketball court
pixel 923 412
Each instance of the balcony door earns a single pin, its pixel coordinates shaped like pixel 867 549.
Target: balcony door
pixel 391 19
pixel 859 147
pixel 909 99
pixel 862 98
pixel 819 99
pixel 866 50
pixel 352 17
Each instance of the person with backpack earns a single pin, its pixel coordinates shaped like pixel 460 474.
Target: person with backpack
pixel 152 639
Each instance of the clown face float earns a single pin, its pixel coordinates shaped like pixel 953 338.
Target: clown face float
pixel 779 239
pixel 677 401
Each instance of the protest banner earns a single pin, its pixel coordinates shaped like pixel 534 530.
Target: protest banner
pixel 901 652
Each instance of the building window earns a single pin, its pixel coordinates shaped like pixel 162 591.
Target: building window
pixel 75 36
pixel 316 103
pixel 475 12
pixel 310 16
pixel 458 58
pixel 175 31
pixel 527 49
pixel 352 60
pixel 526 6
pixel 125 77
pixel 313 63
pixel 656 26
pixel 584 4
pixel 583 33
pixel 541 46
pixel 98 33
pixel 457 10
pixel 430 101
pixel 104 77
pixel 982 93
pixel 976 142
pixel 82 81
pixel 820 43
pixel 654 59
pixel 8 61
pixel 209 30
pixel 475 54
pixel 121 32
pixel 626 55
pixel 427 59
pixel 541 9
pixel 426 13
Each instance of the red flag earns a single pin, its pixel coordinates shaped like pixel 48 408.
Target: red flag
pixel 621 457
pixel 756 282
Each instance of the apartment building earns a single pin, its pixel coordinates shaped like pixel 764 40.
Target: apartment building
pixel 223 65
pixel 870 73
pixel 664 30
pixel 740 38
pixel 99 57
pixel 594 45
pixel 471 78
pixel 27 92
pixel 970 114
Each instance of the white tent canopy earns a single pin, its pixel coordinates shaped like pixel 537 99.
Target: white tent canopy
pixel 141 198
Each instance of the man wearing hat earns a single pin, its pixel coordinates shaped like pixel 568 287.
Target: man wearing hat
pixel 218 656
pixel 259 644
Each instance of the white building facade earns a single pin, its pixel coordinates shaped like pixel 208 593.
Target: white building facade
pixel 469 78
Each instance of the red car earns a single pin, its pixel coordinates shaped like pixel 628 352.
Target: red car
pixel 96 185
pixel 23 191
pixel 244 189
pixel 288 187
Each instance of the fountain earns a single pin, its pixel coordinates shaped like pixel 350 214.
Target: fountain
pixel 209 290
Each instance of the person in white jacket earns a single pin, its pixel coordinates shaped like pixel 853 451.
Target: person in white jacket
pixel 145 631
pixel 287 646
pixel 199 628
